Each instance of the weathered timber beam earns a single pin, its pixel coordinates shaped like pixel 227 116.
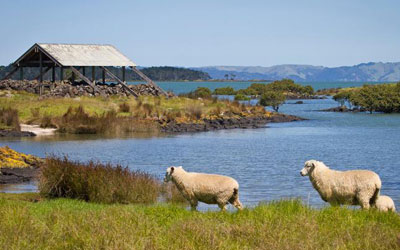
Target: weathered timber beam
pixel 148 80
pixel 87 80
pixel 109 73
pixel 41 74
pixel 94 74
pixel 10 73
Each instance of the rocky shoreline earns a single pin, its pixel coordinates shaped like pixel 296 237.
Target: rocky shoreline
pixel 11 133
pixel 66 88
pixel 343 109
pixel 227 123
pixel 18 175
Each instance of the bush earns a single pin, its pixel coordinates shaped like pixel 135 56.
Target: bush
pixel 224 91
pixel 96 182
pixel 382 98
pixel 273 99
pixel 241 97
pixel 9 119
pixel 200 92
pixel 124 107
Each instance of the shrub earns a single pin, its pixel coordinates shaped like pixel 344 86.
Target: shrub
pixel 241 97
pixel 194 112
pixel 35 112
pixel 96 182
pixel 273 99
pixel 124 107
pixel 47 122
pixel 224 91
pixel 9 118
pixel 200 92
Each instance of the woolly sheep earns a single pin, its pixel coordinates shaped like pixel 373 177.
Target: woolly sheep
pixel 207 188
pixel 385 203
pixel 355 187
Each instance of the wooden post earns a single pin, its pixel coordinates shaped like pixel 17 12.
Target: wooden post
pixel 41 67
pixel 93 74
pixel 104 76
pixel 123 73
pixel 41 73
pixel 53 74
pixel 61 73
pixel 84 71
pixel 21 73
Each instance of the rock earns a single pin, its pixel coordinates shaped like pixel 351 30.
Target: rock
pixel 9 133
pixel 299 102
pixel 18 175
pixel 67 89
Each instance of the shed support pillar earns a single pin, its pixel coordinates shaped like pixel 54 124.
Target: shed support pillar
pixel 21 73
pixel 123 74
pixel 61 73
pixel 53 74
pixel 41 73
pixel 94 74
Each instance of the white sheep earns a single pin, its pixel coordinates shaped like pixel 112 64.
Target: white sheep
pixel 207 188
pixel 354 187
pixel 385 203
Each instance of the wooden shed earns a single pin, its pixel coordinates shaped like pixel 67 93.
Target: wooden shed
pixel 77 57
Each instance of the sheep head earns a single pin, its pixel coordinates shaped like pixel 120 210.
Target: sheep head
pixel 170 172
pixel 309 166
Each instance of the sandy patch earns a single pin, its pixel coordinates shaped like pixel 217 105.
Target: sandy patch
pixel 36 129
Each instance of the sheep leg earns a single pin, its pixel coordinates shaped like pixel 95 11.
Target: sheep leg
pixel 363 200
pixel 237 204
pixel 193 205
pixel 222 206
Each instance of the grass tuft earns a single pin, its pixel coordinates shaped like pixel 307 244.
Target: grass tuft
pixel 96 182
pixel 9 119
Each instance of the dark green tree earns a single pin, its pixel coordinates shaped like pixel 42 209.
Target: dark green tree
pixel 272 98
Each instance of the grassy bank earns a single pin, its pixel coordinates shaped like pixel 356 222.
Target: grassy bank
pixel 120 114
pixel 29 222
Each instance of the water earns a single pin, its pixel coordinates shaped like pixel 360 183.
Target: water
pixel 266 161
pixel 185 87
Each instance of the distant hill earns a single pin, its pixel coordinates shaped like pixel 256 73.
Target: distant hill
pixel 365 72
pixel 155 73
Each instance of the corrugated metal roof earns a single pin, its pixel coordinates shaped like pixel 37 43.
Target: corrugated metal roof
pixel 86 55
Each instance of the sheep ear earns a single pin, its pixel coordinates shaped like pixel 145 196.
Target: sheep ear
pixel 313 164
pixel 172 170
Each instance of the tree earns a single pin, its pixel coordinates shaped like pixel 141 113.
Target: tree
pixel 226 76
pixel 203 92
pixel 272 98
pixel 342 97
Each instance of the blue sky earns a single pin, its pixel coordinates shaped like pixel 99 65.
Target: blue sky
pixel 204 33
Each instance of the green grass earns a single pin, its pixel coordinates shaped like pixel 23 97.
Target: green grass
pixel 129 114
pixel 74 224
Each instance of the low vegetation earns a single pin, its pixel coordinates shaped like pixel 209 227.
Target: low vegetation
pixel 96 182
pixel 9 119
pixel 35 223
pixel 286 86
pixel 13 159
pixel 119 115
pixel 379 98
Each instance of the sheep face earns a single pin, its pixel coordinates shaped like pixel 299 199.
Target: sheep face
pixel 168 174
pixel 170 171
pixel 308 168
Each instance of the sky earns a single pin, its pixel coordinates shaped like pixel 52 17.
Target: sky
pixel 208 33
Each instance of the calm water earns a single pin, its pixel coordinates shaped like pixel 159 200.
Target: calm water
pixel 265 161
